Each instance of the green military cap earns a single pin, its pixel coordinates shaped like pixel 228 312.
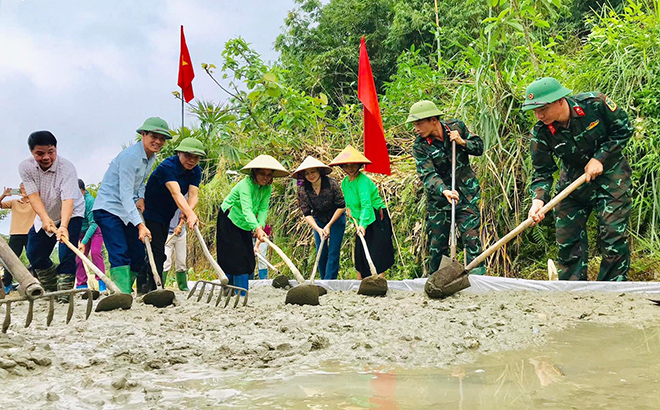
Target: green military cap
pixel 157 125
pixel 423 109
pixel 543 91
pixel 191 146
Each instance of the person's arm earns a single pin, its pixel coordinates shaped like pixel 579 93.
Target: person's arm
pixel 473 144
pixel 5 194
pixel 128 169
pixel 91 223
pixel 618 128
pixel 432 181
pixel 262 211
pixel 542 178
pixel 40 209
pixel 67 211
pixel 182 203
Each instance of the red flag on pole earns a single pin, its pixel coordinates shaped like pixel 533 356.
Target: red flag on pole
pixel 375 147
pixel 186 73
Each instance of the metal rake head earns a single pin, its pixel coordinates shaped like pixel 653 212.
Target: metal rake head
pixel 51 297
pixel 225 291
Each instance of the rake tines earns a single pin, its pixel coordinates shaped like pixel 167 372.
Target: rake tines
pixel 226 292
pixel 52 296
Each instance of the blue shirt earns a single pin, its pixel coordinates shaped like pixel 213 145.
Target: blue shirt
pixel 124 183
pixel 158 201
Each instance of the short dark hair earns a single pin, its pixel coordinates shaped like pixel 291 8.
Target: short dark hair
pixel 41 138
pixel 81 184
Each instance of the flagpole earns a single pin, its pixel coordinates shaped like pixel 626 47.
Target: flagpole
pixel 182 109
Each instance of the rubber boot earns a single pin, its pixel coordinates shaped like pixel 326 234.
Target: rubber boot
pixel 182 280
pixel 102 287
pixel 163 279
pixel 65 281
pixel 121 275
pixel 48 278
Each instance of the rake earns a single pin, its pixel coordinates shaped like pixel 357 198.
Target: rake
pixel 226 291
pixel 31 290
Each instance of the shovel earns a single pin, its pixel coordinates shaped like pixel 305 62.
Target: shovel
pixel 270 265
pixel 226 290
pixel 115 301
pixel 452 277
pixel 159 297
pixel 31 290
pixel 307 294
pixel 294 270
pixel 374 285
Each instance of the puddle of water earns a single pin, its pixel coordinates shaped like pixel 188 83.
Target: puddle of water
pixel 589 367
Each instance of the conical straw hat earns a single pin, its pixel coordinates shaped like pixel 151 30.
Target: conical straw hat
pixel 311 162
pixel 266 162
pixel 350 156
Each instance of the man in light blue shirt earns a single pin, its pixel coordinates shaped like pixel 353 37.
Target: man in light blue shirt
pixel 121 195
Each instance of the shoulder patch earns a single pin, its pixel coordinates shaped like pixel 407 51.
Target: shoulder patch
pixel 579 111
pixel 610 104
pixel 552 129
pixel 593 125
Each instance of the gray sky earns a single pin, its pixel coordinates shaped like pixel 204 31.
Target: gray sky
pixel 92 71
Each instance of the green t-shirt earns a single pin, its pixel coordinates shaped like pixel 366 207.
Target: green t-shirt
pixel 361 196
pixel 249 204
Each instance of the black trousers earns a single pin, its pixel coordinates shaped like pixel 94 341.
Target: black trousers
pixel 145 278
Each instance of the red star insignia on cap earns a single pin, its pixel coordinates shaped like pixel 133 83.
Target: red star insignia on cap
pixel 530 96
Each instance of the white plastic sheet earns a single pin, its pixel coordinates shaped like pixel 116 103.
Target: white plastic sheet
pixel 485 284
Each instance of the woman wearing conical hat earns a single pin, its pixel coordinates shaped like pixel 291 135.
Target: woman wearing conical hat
pixel 322 204
pixel 243 211
pixel 365 205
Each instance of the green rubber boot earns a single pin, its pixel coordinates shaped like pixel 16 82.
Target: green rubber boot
pixel 121 275
pixel 48 278
pixel 164 279
pixel 182 280
pixel 65 281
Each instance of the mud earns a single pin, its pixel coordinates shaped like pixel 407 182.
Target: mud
pixel 115 358
pixel 373 286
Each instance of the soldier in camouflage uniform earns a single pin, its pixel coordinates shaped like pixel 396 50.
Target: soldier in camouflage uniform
pixel 432 152
pixel 587 132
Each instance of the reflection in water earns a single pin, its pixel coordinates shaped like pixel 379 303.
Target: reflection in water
pixel 589 367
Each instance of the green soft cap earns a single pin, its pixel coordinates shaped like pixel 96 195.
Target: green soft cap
pixel 157 125
pixel 543 91
pixel 423 109
pixel 191 146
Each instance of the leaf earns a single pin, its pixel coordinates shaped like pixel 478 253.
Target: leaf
pixel 273 92
pixel 270 77
pixel 323 98
pixel 254 95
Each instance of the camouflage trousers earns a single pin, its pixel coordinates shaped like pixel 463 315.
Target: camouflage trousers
pixel 571 224
pixel 438 225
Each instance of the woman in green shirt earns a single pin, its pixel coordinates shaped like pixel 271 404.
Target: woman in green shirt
pixel 242 212
pixel 365 205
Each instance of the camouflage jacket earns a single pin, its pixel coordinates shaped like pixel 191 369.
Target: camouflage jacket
pixel 433 159
pixel 599 129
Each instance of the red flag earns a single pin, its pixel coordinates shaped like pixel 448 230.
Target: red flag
pixel 186 73
pixel 375 147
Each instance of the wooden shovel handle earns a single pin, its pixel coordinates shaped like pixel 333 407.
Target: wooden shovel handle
pixel 372 267
pixel 294 270
pixel 527 223
pixel 150 255
pixel 218 270
pixel 264 260
pixel 316 262
pixel 91 266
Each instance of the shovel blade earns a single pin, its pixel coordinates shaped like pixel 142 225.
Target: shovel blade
pixel 447 280
pixel 115 301
pixel 159 298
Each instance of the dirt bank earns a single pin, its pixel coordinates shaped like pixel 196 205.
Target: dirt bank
pixel 119 358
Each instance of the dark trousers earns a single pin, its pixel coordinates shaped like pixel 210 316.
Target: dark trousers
pixel 40 246
pixel 121 241
pixel 145 278
pixel 17 243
